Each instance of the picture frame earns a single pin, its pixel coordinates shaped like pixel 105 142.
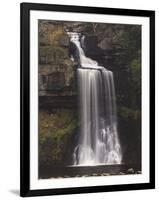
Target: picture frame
pixel 31 13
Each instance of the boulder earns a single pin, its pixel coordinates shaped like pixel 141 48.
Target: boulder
pixel 131 171
pixel 56 81
pixel 106 44
pixel 64 41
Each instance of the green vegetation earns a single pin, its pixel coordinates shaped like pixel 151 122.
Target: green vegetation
pixel 129 97
pixel 128 113
pixel 56 130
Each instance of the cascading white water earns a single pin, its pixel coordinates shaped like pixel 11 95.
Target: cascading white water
pixel 98 140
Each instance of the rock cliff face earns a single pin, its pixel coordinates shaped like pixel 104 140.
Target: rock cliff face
pixel 116 47
pixel 56 69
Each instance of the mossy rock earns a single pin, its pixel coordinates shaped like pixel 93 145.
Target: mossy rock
pixel 51 33
pixel 52 54
pixel 56 130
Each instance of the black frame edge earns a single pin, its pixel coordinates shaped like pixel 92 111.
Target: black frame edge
pixel 152 99
pixel 24 104
pixel 93 189
pixel 87 9
pixel 25 99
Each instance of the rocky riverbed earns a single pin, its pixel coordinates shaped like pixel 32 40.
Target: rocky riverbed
pixel 88 171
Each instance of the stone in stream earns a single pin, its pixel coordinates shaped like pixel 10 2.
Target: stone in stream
pixel 130 171
pixel 95 174
pixel 112 173
pixel 105 174
pixel 121 173
pixel 66 176
pixel 85 175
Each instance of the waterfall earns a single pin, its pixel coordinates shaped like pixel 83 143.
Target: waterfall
pixel 98 139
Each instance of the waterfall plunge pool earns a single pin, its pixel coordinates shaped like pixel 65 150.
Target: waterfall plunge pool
pixel 88 171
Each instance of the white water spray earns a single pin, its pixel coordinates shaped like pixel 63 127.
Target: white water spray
pixel 98 140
